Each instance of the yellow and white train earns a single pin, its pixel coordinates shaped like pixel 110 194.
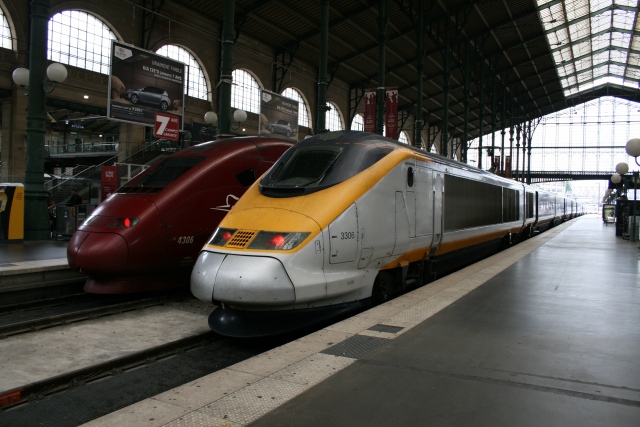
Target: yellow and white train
pixel 346 219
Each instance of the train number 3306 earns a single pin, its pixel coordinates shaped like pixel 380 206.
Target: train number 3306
pixel 185 240
pixel 347 235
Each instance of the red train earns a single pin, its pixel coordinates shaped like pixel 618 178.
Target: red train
pixel 147 235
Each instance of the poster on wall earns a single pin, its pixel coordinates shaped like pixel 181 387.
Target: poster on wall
pixel 278 116
pixel 370 110
pixel 391 113
pixel 142 84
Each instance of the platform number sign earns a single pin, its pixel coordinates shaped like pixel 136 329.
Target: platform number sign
pixel 167 126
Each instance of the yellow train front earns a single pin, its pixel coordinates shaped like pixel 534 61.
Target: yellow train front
pixel 344 219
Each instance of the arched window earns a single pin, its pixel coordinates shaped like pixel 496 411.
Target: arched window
pixel 80 40
pixel 245 92
pixel 196 84
pixel 403 138
pixel 333 121
pixel 303 111
pixel 358 122
pixel 6 40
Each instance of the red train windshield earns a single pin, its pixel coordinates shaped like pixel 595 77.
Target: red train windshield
pixel 163 174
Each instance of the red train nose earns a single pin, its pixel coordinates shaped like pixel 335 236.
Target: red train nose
pixel 98 253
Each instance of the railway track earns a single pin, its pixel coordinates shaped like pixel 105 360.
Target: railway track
pixel 77 378
pixel 36 315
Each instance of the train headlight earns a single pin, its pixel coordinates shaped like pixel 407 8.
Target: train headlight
pixel 123 222
pixel 279 241
pixel 222 236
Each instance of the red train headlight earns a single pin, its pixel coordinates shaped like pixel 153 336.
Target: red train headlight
pixel 123 222
pixel 221 236
pixel 279 241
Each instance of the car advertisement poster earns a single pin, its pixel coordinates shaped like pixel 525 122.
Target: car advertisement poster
pixel 278 116
pixel 142 84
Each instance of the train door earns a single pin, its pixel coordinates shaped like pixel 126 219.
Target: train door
pixel 410 195
pixel 405 224
pixel 402 225
pixel 438 190
pixel 424 211
pixel 343 236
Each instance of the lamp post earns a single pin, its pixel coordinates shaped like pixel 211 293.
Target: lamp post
pixel 36 223
pixel 633 149
pixel 211 118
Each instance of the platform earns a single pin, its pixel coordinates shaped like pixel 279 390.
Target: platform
pixel 33 264
pixel 544 333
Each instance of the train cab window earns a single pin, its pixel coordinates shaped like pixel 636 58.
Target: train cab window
pixel 166 172
pixel 316 164
pixel 246 178
pixel 307 166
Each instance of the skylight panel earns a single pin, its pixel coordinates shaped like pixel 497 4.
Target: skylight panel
pixel 619 56
pixel 599 35
pixel 582 48
pixel 601 57
pixel 599 4
pixel 577 9
pixel 617 69
pixel 623 19
pixel 620 39
pixel 601 21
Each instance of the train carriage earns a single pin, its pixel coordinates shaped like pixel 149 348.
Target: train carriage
pixel 346 219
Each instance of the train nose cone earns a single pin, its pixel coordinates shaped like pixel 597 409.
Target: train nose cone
pixel 241 280
pixel 97 253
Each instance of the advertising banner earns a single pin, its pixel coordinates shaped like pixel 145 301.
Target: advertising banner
pixel 167 126
pixel 370 110
pixel 278 115
pixel 142 84
pixel 391 113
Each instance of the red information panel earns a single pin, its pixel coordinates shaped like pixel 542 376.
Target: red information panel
pixel 167 126
pixel 108 182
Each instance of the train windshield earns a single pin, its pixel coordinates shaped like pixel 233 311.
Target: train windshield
pixel 307 166
pixel 166 172
pixel 318 163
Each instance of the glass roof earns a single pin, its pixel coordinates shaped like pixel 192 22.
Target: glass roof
pixel 593 42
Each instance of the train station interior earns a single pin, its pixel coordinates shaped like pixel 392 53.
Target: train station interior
pixel 508 294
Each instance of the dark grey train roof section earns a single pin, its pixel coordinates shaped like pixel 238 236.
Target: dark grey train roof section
pixel 546 54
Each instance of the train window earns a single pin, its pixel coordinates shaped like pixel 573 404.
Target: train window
pixel 166 172
pixel 410 177
pixel 246 178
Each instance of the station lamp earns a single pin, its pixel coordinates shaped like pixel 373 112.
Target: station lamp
pixel 36 217
pixel 56 73
pixel 211 118
pixel 633 149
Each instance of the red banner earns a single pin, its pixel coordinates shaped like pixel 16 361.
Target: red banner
pixel 391 116
pixel 370 110
pixel 507 166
